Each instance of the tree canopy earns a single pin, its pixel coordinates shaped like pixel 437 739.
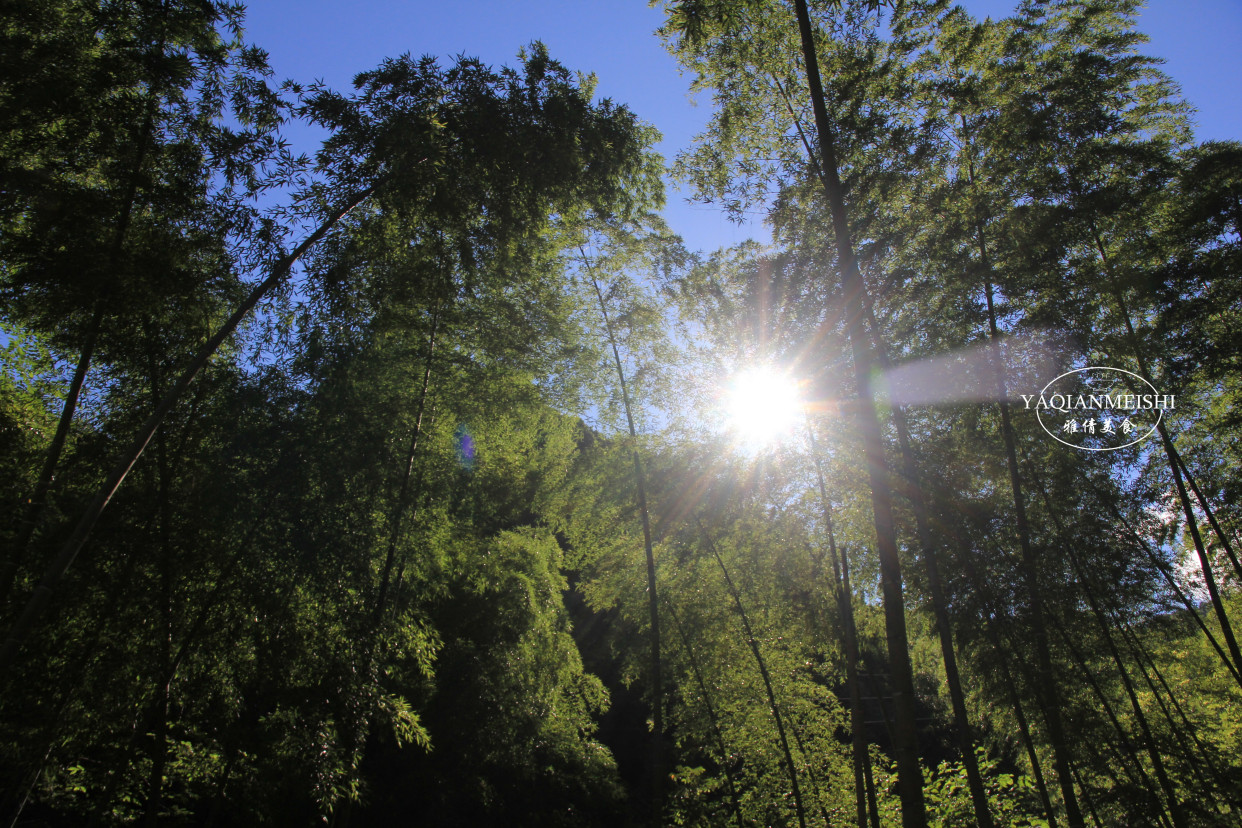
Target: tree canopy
pixel 430 478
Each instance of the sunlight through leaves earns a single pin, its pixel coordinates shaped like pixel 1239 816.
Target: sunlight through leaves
pixel 762 406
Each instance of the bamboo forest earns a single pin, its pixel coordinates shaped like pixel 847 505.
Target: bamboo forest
pixel 429 478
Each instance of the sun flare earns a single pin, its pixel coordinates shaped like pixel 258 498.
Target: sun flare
pixel 763 405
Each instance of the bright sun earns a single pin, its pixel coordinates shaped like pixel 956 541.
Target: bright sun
pixel 763 405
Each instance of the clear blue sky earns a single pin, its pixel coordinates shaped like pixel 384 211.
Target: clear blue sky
pixel 1200 40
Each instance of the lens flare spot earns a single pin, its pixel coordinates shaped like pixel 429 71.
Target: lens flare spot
pixel 465 447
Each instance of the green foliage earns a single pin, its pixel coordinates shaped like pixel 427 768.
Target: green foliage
pixel 1011 796
pixel 374 567
pixel 29 386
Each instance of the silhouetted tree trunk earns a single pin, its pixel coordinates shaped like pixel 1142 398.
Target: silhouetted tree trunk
pixel 767 679
pixel 1089 799
pixel 402 503
pixel 38 602
pixel 1208 512
pixel 1159 563
pixel 656 748
pixel 1122 746
pixel 849 637
pixel 1175 468
pixel 1046 685
pixel 1011 689
pixel 913 489
pixel 1148 667
pixel 712 718
pixel 47 474
pixel 162 690
pixel 905 744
